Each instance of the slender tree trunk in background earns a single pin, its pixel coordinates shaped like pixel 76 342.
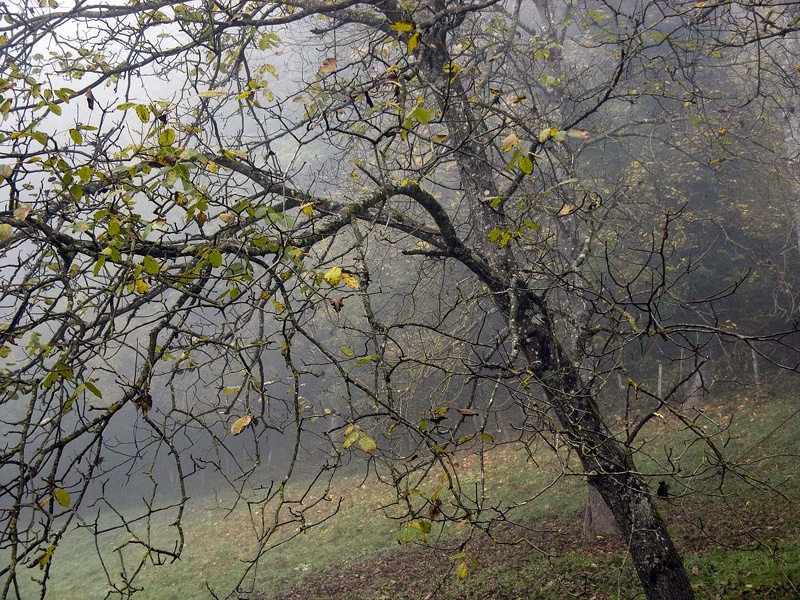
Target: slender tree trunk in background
pixel 597 518
pixel 791 118
pixel 756 374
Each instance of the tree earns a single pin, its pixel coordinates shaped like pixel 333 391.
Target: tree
pixel 202 254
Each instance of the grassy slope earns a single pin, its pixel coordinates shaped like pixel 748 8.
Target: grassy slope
pixel 742 541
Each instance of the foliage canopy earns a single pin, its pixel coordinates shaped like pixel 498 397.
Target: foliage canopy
pixel 259 238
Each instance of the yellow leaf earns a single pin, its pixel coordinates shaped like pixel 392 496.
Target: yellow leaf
pixel 403 26
pixel 413 42
pixel 62 497
pixel 42 561
pixel 333 276
pixel 141 286
pixel 212 94
pixel 351 439
pixel 308 209
pixel 351 280
pixel 462 570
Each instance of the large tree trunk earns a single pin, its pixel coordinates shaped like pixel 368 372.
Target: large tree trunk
pixel 608 465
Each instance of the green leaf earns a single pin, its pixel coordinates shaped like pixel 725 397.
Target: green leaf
pixel 514 159
pixel 531 225
pixel 166 137
pixel 64 94
pixel 40 137
pixel 422 115
pixel 62 497
pixel 151 265
pixel 347 351
pixel 215 258
pixel 42 561
pixel 6 231
pixel 143 113
pixel 171 178
pixel 51 378
pixel 93 388
pixel 85 172
pixel 525 164
pixel 367 444
pixel 101 260
pixel 76 136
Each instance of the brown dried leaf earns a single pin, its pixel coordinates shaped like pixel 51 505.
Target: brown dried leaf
pixel 22 212
pixel 467 412
pixel 509 142
pixel 240 424
pixel 328 66
pixel 144 402
pixel 567 209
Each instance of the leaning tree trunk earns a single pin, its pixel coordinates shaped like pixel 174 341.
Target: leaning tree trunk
pixel 608 465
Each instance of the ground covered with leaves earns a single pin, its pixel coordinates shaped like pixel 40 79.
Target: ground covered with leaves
pixel 739 541
pixel 556 563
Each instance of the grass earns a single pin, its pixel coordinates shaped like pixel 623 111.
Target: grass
pixel 739 536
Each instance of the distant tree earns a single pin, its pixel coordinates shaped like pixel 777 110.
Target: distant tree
pixel 347 228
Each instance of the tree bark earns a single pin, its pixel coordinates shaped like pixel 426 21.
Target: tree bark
pixel 608 465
